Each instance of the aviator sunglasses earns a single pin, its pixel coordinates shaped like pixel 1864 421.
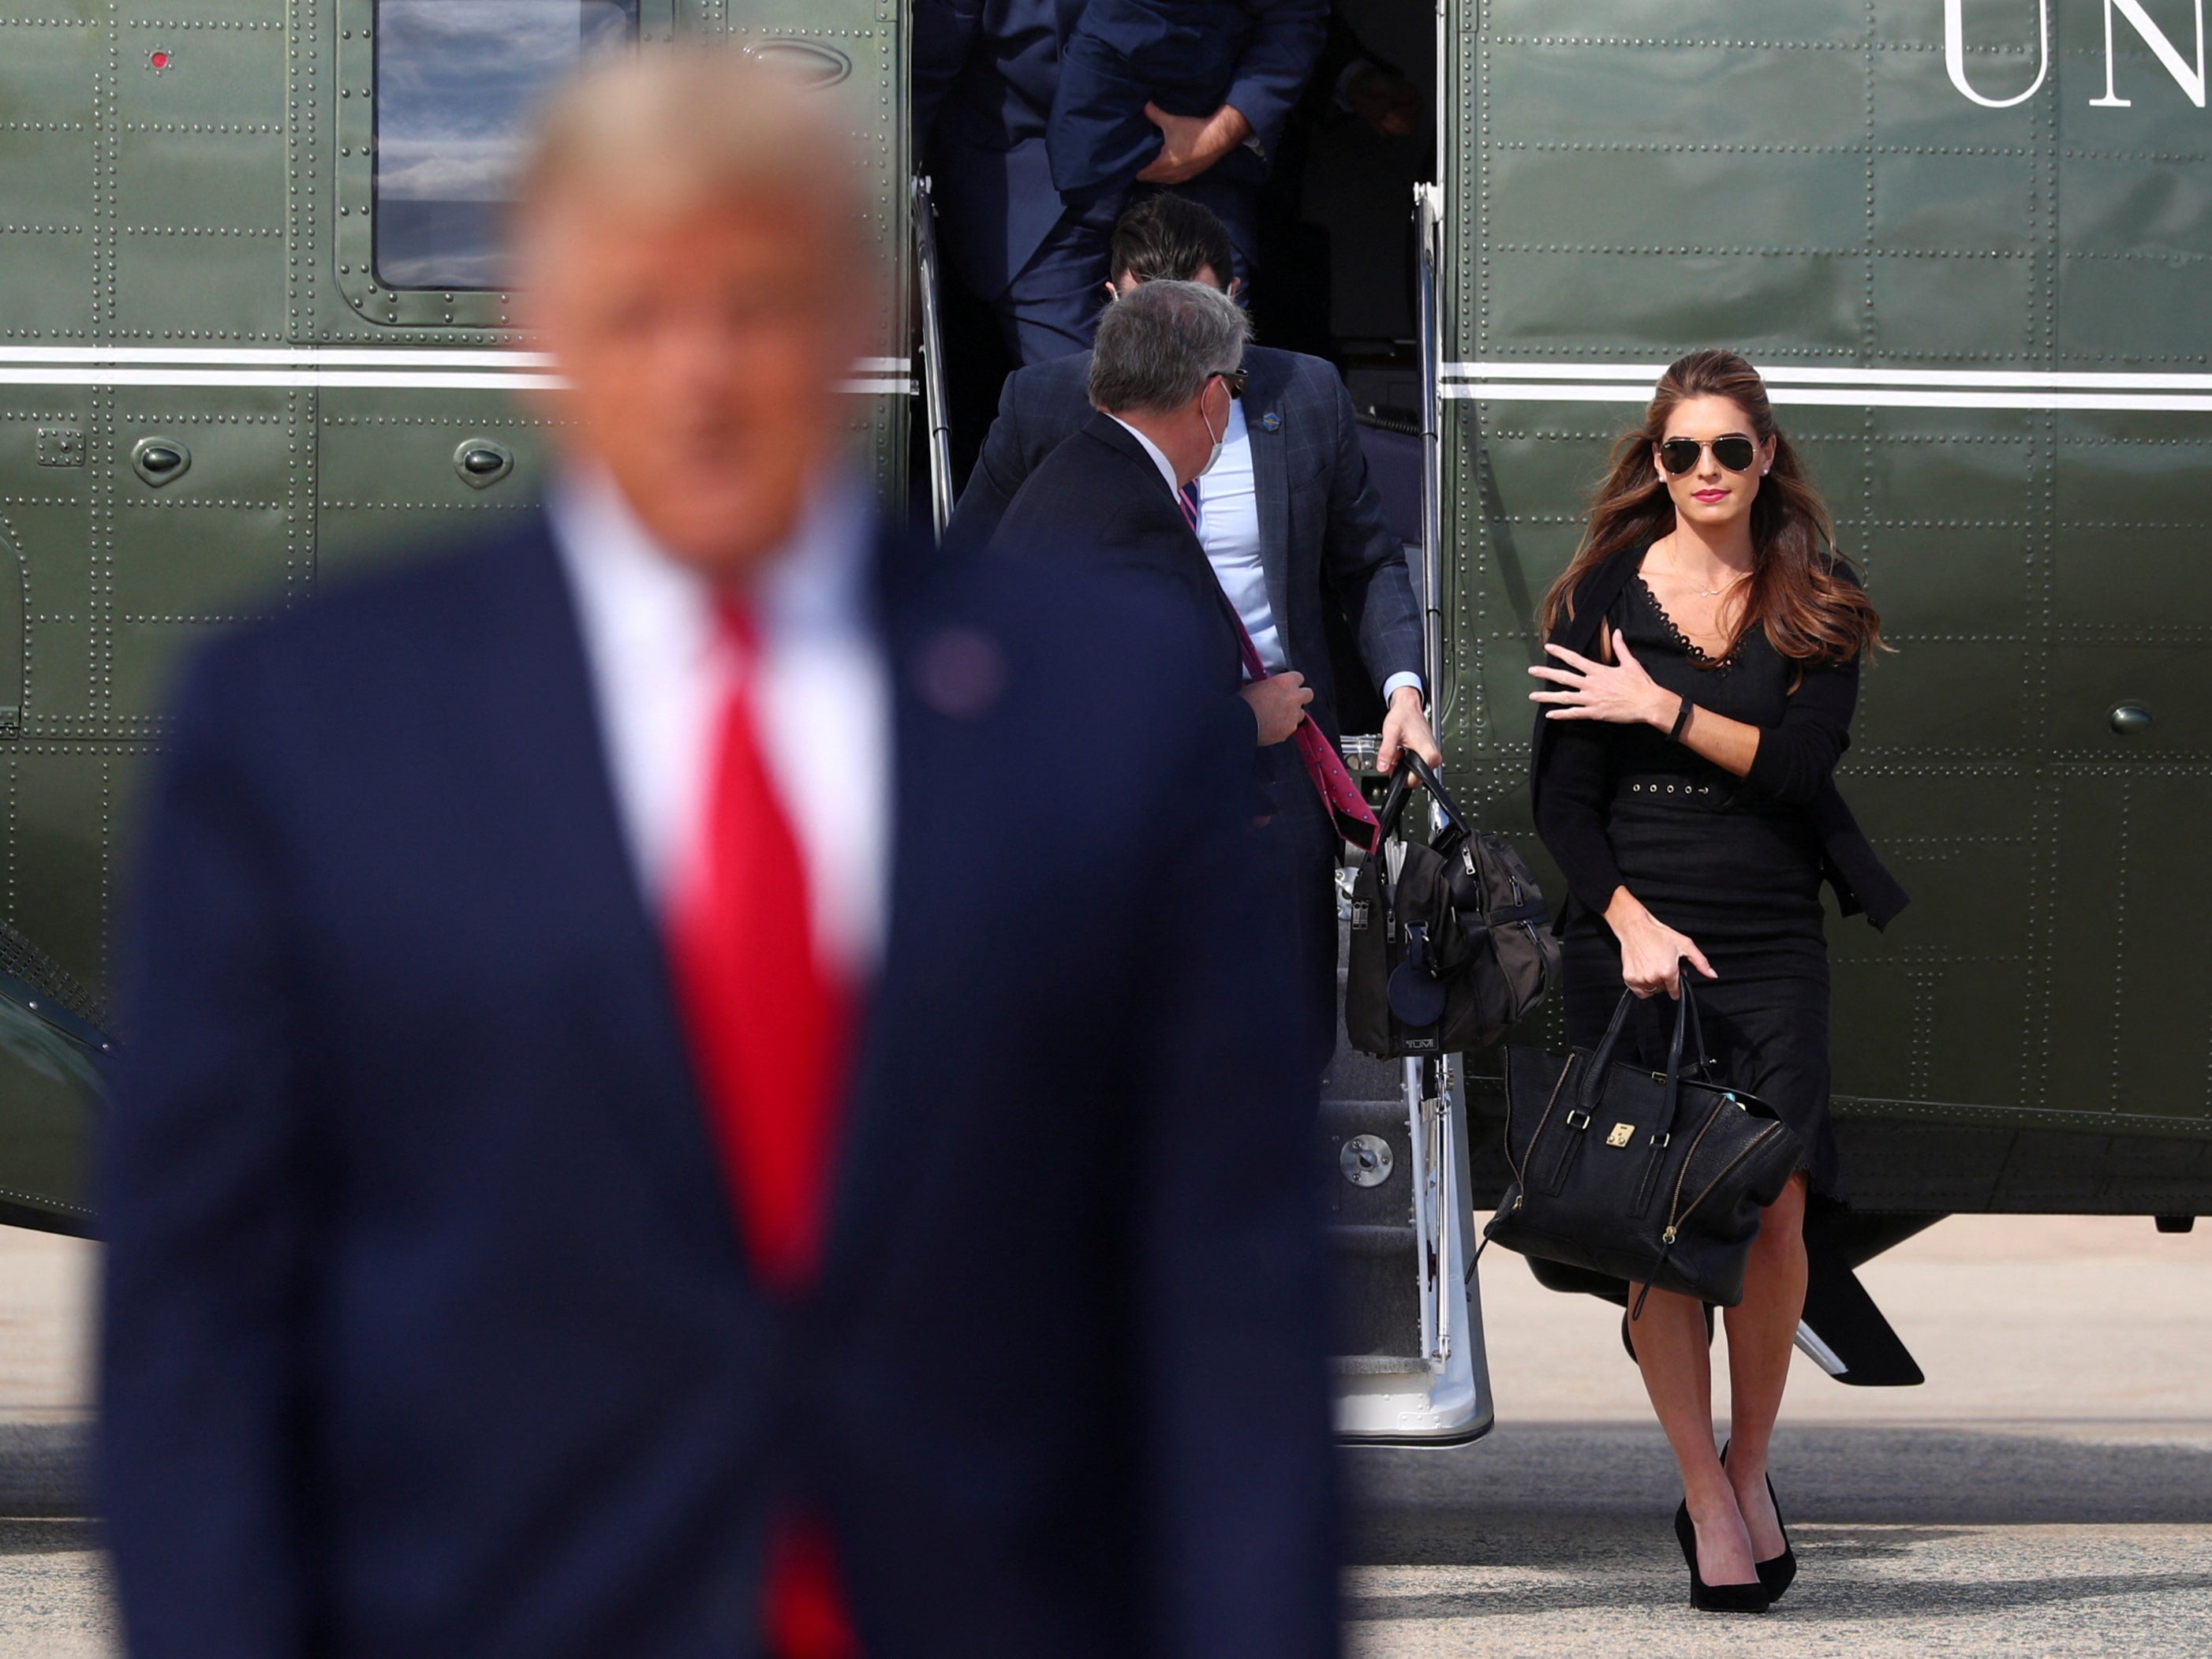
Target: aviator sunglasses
pixel 1735 452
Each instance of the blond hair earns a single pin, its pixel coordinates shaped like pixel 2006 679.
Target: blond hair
pixel 677 128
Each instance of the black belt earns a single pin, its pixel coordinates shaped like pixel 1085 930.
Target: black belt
pixel 1707 793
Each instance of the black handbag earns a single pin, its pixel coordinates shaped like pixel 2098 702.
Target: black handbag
pixel 1451 946
pixel 1656 1177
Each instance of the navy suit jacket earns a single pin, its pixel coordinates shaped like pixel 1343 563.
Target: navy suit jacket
pixel 428 1330
pixel 1099 502
pixel 996 124
pixel 1320 516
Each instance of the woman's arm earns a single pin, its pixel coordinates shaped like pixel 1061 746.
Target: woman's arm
pixel 1790 761
pixel 1622 693
pixel 1570 814
pixel 1570 819
pixel 1797 758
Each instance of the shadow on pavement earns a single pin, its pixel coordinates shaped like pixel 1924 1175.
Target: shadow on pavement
pixel 1937 1594
pixel 45 1471
pixel 1461 1506
pixel 47 1536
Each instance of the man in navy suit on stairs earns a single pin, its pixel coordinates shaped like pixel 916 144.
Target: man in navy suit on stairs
pixel 1286 517
pixel 1035 119
pixel 704 1080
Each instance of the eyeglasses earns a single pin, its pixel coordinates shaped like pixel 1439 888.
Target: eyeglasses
pixel 1735 452
pixel 1236 379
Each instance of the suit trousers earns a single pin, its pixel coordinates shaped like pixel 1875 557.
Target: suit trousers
pixel 1302 850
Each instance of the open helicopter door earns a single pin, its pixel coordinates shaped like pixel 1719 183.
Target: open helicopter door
pixel 1410 1365
pixel 933 397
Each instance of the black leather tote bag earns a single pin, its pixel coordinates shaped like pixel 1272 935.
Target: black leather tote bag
pixel 1656 1178
pixel 1451 944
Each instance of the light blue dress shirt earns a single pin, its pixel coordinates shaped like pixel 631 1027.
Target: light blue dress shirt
pixel 1228 530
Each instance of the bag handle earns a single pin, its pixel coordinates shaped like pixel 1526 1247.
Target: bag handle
pixel 1699 1053
pixel 1457 825
pixel 1687 1022
pixel 1593 1082
pixel 1685 1006
pixel 1394 805
pixel 1412 768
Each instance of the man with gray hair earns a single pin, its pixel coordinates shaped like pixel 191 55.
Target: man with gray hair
pixel 1165 366
pixel 1122 492
pixel 569 980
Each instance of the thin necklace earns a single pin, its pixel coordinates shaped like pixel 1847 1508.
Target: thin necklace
pixel 1715 593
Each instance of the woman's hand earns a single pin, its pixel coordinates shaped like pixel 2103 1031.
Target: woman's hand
pixel 1651 952
pixel 1591 690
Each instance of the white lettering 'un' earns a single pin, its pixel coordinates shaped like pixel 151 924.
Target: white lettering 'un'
pixel 2190 78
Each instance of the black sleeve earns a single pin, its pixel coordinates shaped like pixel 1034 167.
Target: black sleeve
pixel 1797 758
pixel 1571 812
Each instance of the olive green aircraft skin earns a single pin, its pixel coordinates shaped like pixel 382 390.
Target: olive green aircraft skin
pixel 1811 183
pixel 194 176
pixel 1620 183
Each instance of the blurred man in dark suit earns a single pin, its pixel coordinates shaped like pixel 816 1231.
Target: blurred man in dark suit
pixel 1034 117
pixel 649 1037
pixel 1285 516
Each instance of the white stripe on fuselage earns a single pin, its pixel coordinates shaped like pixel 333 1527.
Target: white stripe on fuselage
pixel 303 368
pixel 1875 388
pixel 292 367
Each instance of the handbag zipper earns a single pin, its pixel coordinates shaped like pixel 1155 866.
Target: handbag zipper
pixel 1520 1180
pixel 1674 1204
pixel 1751 1146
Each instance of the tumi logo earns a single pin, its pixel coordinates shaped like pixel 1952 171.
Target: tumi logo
pixel 2189 76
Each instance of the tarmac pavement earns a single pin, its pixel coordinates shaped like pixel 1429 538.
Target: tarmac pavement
pixel 2047 1492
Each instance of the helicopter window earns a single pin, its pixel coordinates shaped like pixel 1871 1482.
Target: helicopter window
pixel 457 84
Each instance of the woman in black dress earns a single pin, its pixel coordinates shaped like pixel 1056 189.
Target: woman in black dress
pixel 1704 651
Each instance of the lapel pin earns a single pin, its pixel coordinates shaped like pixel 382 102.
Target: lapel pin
pixel 1271 421
pixel 960 673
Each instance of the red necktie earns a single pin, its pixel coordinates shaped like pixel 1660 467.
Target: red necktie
pixel 769 1024
pixel 1347 808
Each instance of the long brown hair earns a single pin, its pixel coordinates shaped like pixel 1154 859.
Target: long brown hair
pixel 1801 591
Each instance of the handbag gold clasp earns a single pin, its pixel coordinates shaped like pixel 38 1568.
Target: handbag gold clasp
pixel 1621 1135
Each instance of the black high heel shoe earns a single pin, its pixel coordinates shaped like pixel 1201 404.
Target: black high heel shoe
pixel 1713 1598
pixel 1778 1572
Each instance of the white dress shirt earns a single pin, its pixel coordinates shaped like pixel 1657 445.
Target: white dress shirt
pixel 661 671
pixel 1229 530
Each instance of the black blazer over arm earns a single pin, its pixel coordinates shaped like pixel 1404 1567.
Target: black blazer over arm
pixel 1795 762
